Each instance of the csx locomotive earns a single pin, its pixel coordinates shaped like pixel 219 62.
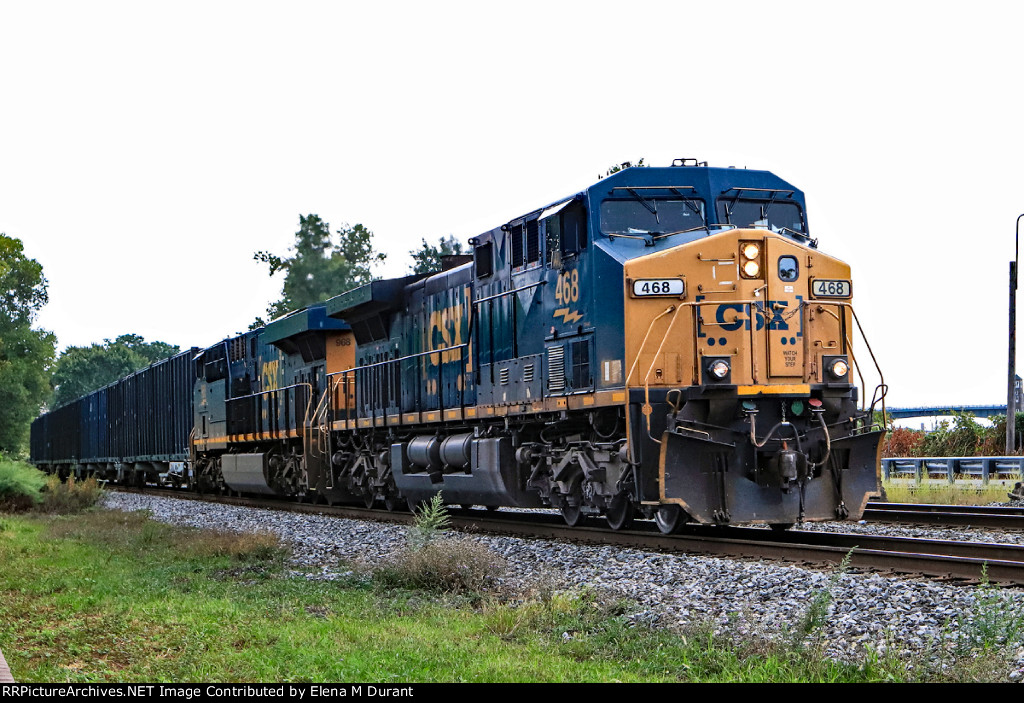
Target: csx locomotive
pixel 668 343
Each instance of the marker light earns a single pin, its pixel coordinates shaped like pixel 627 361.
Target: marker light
pixel 750 250
pixel 720 369
pixel 751 269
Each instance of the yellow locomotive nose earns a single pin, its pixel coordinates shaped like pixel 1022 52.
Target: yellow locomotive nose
pixel 743 375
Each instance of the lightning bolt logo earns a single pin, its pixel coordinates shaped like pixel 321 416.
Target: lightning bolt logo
pixel 567 316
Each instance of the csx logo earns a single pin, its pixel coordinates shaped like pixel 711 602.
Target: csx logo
pixel 446 330
pixel 730 317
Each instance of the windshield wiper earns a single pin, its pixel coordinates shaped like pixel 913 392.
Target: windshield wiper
pixel 706 227
pixel 653 209
pixel 813 243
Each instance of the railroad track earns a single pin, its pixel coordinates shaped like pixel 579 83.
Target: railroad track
pixel 961 561
pixel 1006 518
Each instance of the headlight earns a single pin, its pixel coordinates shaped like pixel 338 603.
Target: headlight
pixel 750 259
pixel 720 369
pixel 839 368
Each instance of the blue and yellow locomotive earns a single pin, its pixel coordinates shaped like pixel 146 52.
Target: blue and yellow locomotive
pixel 668 343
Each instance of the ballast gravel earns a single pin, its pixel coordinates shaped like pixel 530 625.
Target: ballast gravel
pixel 870 614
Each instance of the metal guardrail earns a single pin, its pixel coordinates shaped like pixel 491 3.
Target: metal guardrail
pixel 939 410
pixel 951 468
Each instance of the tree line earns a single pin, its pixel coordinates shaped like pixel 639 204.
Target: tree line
pixel 34 378
pixel 963 436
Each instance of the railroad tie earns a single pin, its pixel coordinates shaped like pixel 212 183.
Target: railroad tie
pixel 5 672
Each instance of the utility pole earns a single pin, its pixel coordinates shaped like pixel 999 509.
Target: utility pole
pixel 1011 410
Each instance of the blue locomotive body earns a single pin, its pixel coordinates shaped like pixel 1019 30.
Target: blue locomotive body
pixel 668 342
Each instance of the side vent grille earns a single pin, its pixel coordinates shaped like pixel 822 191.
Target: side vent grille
pixel 528 373
pixel 504 376
pixel 556 369
pixel 236 349
pixel 581 365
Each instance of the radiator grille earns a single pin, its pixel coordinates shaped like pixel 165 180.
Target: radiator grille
pixel 503 374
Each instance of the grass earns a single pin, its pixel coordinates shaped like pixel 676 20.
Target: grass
pixel 942 492
pixel 20 485
pixel 108 596
pixel 23 487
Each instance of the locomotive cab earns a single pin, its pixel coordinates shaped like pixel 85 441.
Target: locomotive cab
pixel 740 365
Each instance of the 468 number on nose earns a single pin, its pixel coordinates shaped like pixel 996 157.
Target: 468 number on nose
pixel 643 287
pixel 827 288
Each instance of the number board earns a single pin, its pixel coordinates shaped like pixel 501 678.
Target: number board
pixel 826 288
pixel 648 287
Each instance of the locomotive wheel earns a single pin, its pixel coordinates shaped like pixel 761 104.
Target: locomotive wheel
pixel 620 513
pixel 573 515
pixel 669 519
pixel 393 503
pixel 369 499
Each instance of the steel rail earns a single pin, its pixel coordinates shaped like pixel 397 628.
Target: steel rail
pixel 966 561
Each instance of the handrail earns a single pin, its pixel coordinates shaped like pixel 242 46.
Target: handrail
pixel 508 292
pixel 272 390
pixel 640 351
pixel 401 358
pixel 757 304
pixel 346 373
pixel 309 398
pixel 867 344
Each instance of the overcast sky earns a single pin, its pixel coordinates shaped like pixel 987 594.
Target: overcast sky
pixel 148 149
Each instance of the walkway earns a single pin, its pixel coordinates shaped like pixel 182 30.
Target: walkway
pixel 5 673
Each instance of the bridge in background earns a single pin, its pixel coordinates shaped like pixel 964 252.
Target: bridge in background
pixel 936 410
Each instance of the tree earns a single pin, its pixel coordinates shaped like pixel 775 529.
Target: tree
pixel 25 353
pixel 81 370
pixel 428 258
pixel 622 167
pixel 319 268
pixel 149 352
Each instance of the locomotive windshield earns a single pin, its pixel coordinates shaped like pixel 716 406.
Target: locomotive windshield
pixel 651 215
pixel 751 212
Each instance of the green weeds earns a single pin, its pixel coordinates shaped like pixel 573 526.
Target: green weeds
pixel 20 485
pixel 814 620
pixel 69 497
pixel 436 560
pixel 993 622
pixel 431 519
pixel 975 647
pixel 23 487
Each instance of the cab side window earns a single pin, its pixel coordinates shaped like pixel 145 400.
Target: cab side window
pixel 483 259
pixel 566 231
pixel 515 232
pixel 574 228
pixel 526 249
